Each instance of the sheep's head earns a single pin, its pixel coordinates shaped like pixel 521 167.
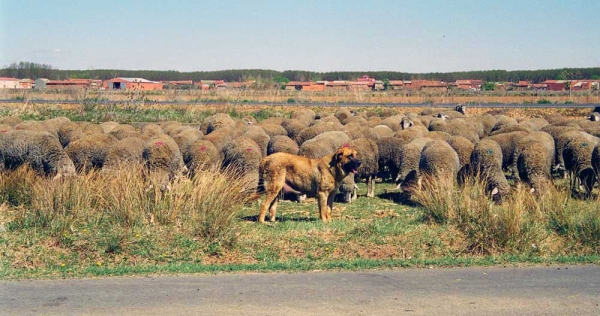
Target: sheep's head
pixel 595 117
pixel 461 108
pixel 406 123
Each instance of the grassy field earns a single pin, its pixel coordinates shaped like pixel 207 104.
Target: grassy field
pixel 102 224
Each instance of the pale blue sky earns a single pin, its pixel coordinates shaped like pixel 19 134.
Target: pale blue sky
pixel 326 35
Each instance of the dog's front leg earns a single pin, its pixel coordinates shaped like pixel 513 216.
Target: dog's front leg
pixel 324 209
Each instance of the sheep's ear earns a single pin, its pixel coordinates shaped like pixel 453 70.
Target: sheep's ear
pixel 57 176
pixel 531 190
pixel 419 182
pixel 495 191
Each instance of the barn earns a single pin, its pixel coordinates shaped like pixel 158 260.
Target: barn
pixel 139 84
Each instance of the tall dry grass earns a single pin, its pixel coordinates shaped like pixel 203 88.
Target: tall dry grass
pixel 203 206
pixel 527 222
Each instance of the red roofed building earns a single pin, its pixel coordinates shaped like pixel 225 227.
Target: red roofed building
pixel 428 85
pixel 132 84
pixel 9 83
pixel 474 85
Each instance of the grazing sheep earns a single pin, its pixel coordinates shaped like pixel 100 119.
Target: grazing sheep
pixel 293 127
pixel 11 120
pixel 438 162
pixel 108 126
pixel 382 131
pixel 311 132
pixel 503 121
pixel 390 151
pixel 356 130
pixel 281 143
pixel 217 121
pixel 394 121
pixel 90 151
pixel 124 151
pixel 412 133
pixel 323 144
pixel 304 112
pixel 463 148
pixel 72 131
pixel 5 128
pixel 169 126
pixel 259 136
pixel 596 160
pixel 594 117
pixel 535 124
pixel 563 139
pixel 342 114
pixel 369 154
pixel 162 157
pixel 124 131
pixel 577 156
pixel 274 129
pixel 221 136
pixel 409 163
pixel 486 163
pixel 204 156
pixel 508 143
pixel 510 129
pixel 244 156
pixel 374 121
pixel 439 135
pixel 42 151
pixel 151 130
pixel 33 126
pixel 184 139
pixel 540 160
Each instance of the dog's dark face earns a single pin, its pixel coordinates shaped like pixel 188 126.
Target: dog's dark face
pixel 346 158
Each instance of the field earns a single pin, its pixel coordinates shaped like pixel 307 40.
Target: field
pixel 101 224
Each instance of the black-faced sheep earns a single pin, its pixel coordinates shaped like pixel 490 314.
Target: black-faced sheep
pixel 577 156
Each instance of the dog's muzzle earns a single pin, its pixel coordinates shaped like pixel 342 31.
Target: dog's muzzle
pixel 354 164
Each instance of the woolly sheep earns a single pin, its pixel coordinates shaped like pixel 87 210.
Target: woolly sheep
pixel 390 151
pixel 508 143
pixel 323 144
pixel 151 130
pixel 10 120
pixel 40 150
pixel 382 131
pixel 409 163
pixel 184 139
pixel 577 156
pixel 108 126
pixel 438 162
pixel 503 121
pixel 90 151
pixel 463 148
pixel 311 132
pixel 204 156
pixel 162 157
pixel 342 114
pixel 123 131
pixel 535 124
pixel 244 156
pixel 486 163
pixel 535 161
pixel 217 121
pixel 124 151
pixel 369 154
pixel 281 143
pixel 274 129
pixel 293 127
pixel 221 136
pixel 259 136
pixel 356 130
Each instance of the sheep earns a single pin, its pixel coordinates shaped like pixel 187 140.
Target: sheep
pixel 411 133
pixel 387 112
pixel 356 130
pixel 244 156
pixel 596 160
pixel 439 135
pixel 510 129
pixel 382 131
pixel 538 165
pixel 503 121
pixel 281 143
pixel 409 164
pixel 90 151
pixel 169 126
pixel 274 129
pixel 215 122
pixel 311 132
pixel 577 156
pixel 33 126
pixel 151 130
pixel 108 126
pixel 5 128
pixel 72 131
pixel 293 127
pixel 342 114
pixel 463 148
pixel 357 120
pixel 204 156
pixel 304 112
pixel 374 121
pixel 11 120
pixel 535 124
pixel 393 122
pixel 369 154
pixel 124 151
pixel 562 139
pixel 259 136
pixel 53 125
pixel 123 131
pixel 221 136
pixel 184 139
pixel 487 121
pixel 323 144
pixel 390 150
pixel 42 151
pixel 162 158
pixel 438 162
pixel 250 120
pixel 508 143
pixel 594 117
pixel 272 121
pixel 455 127
pixel 486 163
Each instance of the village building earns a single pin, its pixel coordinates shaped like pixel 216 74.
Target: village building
pixel 469 84
pixel 138 84
pixel 396 85
pixel 68 84
pixel 427 85
pixel 9 83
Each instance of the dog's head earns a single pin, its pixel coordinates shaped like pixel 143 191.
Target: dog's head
pixel 346 159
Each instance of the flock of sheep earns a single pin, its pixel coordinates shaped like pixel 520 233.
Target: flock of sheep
pixel 404 148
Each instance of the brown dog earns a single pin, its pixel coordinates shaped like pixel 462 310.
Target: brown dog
pixel 314 177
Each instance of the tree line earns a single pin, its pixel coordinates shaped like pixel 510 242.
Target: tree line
pixel 36 70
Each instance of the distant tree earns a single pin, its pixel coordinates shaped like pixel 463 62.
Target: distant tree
pixel 386 84
pixel 488 86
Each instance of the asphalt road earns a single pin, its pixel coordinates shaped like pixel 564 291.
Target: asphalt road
pixel 458 291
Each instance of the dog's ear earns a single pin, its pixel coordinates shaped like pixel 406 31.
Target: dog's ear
pixel 337 156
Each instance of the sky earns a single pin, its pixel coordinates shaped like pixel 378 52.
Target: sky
pixel 417 36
